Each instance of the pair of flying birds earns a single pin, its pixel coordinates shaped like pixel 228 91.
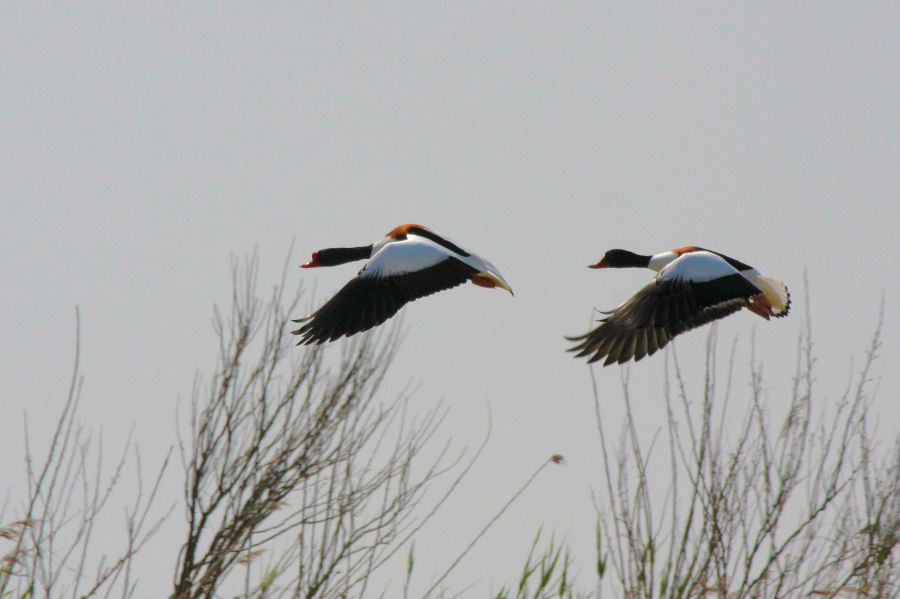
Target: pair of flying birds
pixel 693 286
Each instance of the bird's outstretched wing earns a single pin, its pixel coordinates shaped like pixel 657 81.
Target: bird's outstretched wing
pixel 371 298
pixel 659 312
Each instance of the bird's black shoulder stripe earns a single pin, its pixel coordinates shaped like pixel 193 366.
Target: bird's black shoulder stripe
pixel 737 264
pixel 437 239
pixel 723 289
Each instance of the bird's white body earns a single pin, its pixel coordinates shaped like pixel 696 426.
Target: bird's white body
pixel 392 257
pixel 702 266
pixel 696 266
pixel 402 257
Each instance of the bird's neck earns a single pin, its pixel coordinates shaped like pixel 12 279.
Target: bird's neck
pixel 659 261
pixel 335 256
pixel 627 259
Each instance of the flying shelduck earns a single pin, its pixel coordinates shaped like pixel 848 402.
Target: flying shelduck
pixel 410 262
pixel 693 286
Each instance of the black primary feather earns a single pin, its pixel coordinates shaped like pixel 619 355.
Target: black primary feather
pixel 368 301
pixel 659 312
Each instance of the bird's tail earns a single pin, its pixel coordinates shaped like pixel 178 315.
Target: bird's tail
pixel 777 294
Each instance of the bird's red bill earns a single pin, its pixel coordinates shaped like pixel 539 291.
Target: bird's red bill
pixel 314 261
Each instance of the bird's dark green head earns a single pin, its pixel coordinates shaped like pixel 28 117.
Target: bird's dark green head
pixel 622 259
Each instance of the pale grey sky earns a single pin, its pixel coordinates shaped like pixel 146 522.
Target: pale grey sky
pixel 144 145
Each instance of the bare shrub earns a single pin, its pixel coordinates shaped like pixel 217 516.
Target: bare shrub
pixel 53 549
pixel 301 480
pixel 283 449
pixel 805 507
